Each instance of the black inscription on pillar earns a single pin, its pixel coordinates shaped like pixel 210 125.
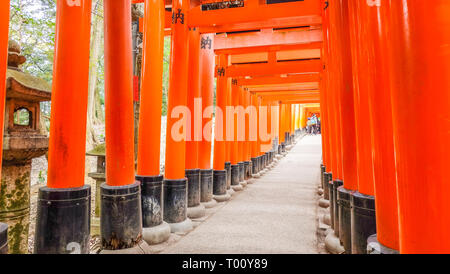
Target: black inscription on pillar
pixel 221 71
pixel 234 82
pixel 176 16
pixel 206 42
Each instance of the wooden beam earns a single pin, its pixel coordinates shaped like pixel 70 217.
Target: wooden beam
pixel 285 87
pixel 283 93
pixel 268 40
pixel 255 11
pixel 291 67
pixel 275 80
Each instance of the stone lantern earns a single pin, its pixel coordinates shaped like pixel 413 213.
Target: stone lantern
pixel 23 141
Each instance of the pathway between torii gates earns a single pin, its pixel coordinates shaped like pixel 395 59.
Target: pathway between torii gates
pixel 276 214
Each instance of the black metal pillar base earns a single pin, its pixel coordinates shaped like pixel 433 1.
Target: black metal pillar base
pixel 255 165
pixel 175 200
pixel 363 221
pixel 3 238
pixel 228 169
pixel 326 183
pixel 121 216
pixel 344 213
pixel 322 171
pixel 331 198
pixel 193 189
pixel 375 247
pixel 235 176
pixel 247 170
pixel 241 171
pixel 206 185
pixel 336 185
pixel 63 220
pixel 151 200
pixel 220 182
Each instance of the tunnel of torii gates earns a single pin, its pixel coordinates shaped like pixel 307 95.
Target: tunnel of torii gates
pixel 379 69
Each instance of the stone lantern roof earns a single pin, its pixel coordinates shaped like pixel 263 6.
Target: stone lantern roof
pixel 21 85
pixel 24 92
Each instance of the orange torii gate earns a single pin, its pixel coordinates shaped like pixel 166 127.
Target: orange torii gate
pixel 186 19
pixel 253 14
pixel 265 65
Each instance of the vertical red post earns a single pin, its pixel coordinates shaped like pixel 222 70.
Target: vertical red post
pixel 380 107
pixel 326 153
pixel 148 163
pixel 221 103
pixel 235 151
pixel 292 121
pixel 219 173
pixel 4 34
pixel 175 186
pixel 177 96
pixel 254 143
pixel 343 83
pixel 193 93
pixel 418 32
pixel 364 225
pixel 149 139
pixel 118 94
pixel 328 134
pixel 66 193
pixel 234 143
pixel 119 229
pixel 246 133
pixel 229 144
pixel 207 95
pixel 194 132
pixel 240 132
pixel 282 123
pixel 228 125
pixel 259 141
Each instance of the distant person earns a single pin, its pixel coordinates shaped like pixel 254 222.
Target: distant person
pixel 319 126
pixel 313 124
pixel 308 126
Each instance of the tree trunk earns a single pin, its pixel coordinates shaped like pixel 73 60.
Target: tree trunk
pixel 96 37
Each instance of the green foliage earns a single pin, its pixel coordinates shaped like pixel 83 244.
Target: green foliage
pixel 22 117
pixel 166 73
pixel 33 27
